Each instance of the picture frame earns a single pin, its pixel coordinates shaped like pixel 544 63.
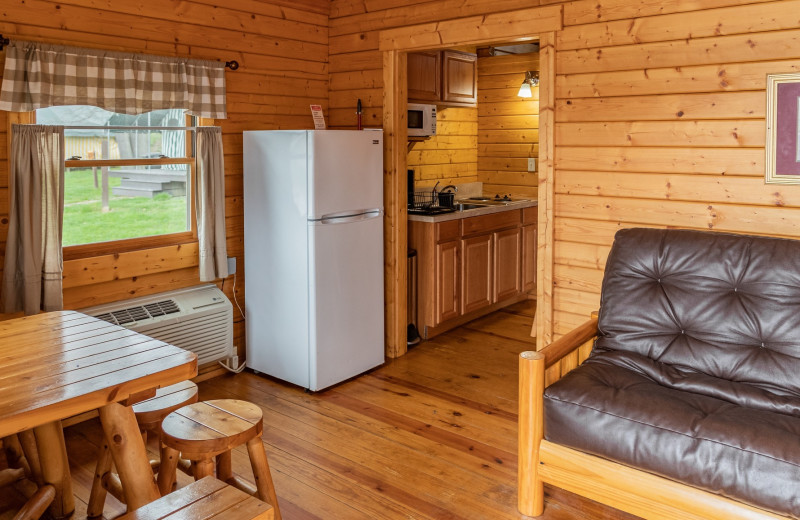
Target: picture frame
pixel 783 129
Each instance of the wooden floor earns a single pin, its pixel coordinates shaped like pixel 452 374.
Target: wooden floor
pixel 431 435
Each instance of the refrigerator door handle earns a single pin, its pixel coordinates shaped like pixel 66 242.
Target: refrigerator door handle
pixel 350 216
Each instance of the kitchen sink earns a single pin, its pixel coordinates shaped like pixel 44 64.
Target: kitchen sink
pixel 464 207
pixel 485 201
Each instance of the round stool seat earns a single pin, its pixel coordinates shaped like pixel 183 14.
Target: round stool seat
pixel 168 399
pixel 208 428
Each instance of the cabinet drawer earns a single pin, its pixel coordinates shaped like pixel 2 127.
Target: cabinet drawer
pixel 447 230
pixel 530 215
pixel 492 222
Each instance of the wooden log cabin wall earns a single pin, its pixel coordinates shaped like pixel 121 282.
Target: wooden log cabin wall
pixel 659 110
pixel 508 125
pixel 282 49
pixel 451 156
pixel 659 118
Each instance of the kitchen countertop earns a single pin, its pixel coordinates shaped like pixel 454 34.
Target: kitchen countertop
pixel 477 212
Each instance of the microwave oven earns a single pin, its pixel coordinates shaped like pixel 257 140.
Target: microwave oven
pixel 421 119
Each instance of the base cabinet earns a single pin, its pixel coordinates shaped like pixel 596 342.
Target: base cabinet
pixel 448 281
pixel 477 273
pixel 508 262
pixel 529 241
pixel 472 266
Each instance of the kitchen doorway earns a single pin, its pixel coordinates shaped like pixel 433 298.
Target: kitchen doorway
pixel 524 25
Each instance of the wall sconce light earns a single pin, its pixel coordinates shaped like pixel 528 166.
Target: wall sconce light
pixel 531 80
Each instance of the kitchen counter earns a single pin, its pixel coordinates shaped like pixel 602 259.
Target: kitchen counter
pixel 476 212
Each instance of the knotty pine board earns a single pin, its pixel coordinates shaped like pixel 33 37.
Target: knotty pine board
pixel 507 125
pixel 659 108
pixel 282 49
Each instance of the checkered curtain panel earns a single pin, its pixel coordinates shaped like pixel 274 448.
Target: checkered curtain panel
pixel 39 75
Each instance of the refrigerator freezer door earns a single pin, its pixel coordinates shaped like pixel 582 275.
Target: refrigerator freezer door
pixel 345 171
pixel 346 295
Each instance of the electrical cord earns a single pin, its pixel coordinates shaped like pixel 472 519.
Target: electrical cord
pixel 225 365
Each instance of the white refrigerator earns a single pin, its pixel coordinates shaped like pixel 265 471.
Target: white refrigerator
pixel 313 250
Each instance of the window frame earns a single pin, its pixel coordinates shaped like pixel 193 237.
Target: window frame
pixel 128 244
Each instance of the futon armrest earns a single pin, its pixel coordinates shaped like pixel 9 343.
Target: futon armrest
pixel 568 342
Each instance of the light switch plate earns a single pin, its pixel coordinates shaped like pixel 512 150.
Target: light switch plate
pixel 231 265
pixel 531 164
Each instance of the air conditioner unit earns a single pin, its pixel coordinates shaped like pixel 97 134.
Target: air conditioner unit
pixel 198 319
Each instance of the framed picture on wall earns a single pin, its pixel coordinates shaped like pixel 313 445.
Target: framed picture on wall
pixel 783 129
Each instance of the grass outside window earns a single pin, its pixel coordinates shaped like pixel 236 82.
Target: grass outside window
pixel 128 217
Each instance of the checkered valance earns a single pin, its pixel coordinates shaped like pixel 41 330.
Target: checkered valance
pixel 39 75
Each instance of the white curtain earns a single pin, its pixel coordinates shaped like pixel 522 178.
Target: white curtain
pixel 33 260
pixel 210 204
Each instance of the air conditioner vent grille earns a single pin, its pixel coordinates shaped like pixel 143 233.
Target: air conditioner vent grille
pixel 140 312
pixel 198 319
pixel 162 308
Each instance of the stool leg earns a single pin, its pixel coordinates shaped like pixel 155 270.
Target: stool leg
pixel 203 468
pixel 28 443
pixel 224 466
pixel 263 477
pixel 97 497
pixel 166 472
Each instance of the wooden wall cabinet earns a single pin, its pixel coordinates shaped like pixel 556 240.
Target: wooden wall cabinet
pixel 472 266
pixel 443 77
pixel 424 77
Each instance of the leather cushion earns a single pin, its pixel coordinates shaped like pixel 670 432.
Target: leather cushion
pixel 723 305
pixel 610 408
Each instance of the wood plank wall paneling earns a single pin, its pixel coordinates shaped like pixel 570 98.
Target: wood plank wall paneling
pixel 282 49
pixel 449 157
pixel 659 123
pixel 659 113
pixel 659 104
pixel 508 126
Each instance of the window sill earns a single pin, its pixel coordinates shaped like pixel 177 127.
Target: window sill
pixel 124 246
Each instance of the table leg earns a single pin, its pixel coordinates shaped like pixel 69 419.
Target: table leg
pixel 129 454
pixel 55 467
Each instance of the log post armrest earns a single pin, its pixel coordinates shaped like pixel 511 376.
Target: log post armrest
pixel 555 351
pixel 530 496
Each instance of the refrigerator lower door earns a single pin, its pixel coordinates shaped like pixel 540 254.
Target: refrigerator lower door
pixel 345 299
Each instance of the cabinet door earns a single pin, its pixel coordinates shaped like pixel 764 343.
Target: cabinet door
pixel 460 78
pixel 507 274
pixel 448 281
pixel 477 269
pixel 424 76
pixel 529 238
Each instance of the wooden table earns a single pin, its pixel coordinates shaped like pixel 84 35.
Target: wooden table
pixel 60 364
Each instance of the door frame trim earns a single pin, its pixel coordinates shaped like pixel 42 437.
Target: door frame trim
pixel 512 26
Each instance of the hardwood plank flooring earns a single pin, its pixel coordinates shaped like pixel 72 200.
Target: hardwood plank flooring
pixel 428 436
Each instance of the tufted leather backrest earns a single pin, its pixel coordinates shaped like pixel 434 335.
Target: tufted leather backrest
pixel 723 305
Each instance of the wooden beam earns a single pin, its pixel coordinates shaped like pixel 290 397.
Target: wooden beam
pixel 637 492
pixel 512 26
pixel 395 240
pixel 543 323
pixel 530 489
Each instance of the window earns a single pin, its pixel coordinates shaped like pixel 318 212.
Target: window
pixel 126 176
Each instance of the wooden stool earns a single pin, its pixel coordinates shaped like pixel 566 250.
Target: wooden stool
pixel 149 414
pixel 25 473
pixel 205 498
pixel 199 432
